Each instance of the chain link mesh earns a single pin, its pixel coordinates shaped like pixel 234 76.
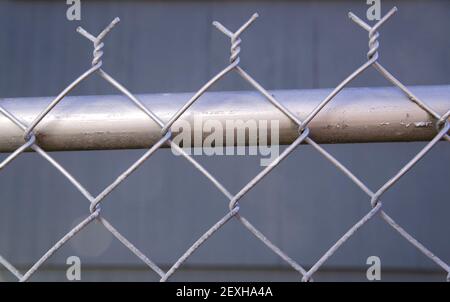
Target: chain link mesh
pixel 442 127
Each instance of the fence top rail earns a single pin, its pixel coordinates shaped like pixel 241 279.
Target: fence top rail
pixel 356 115
pixel 339 115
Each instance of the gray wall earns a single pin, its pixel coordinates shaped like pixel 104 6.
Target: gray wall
pixel 303 206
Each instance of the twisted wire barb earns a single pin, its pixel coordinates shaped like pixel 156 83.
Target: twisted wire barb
pixel 376 204
pixel 234 61
pixel 233 205
pixel 442 126
pixel 94 201
pixel 373 52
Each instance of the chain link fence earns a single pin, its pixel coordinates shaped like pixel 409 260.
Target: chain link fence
pixel 441 123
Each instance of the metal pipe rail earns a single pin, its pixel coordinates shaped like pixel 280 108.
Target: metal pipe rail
pixel 311 116
pixel 356 115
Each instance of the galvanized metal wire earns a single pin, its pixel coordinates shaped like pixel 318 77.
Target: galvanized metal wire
pixel 306 274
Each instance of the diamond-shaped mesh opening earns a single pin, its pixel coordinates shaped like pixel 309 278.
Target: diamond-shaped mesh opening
pixel 234 199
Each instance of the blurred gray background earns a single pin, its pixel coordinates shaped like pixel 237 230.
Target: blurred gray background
pixel 304 206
